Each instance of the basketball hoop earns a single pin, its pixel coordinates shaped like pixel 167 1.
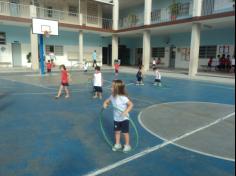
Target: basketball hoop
pixel 47 34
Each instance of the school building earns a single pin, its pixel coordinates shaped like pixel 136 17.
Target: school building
pixel 183 33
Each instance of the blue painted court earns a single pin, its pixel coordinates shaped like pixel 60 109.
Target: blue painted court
pixel 186 128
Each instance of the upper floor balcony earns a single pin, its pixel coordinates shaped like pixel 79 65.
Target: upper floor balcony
pixel 177 10
pixel 14 10
pixel 92 17
pixel 67 17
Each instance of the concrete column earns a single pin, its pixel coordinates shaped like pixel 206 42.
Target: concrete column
pixel 146 49
pixel 115 48
pixel 34 51
pixel 81 46
pixel 197 8
pixel 194 52
pixel 80 19
pixel 34 42
pixel 147 12
pixel 115 14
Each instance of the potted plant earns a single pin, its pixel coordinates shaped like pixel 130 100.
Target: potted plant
pixel 174 10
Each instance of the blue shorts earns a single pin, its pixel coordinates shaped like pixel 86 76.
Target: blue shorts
pixel 97 89
pixel 121 126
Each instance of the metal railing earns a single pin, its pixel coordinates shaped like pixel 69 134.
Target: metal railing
pixel 74 18
pixel 210 7
pixel 132 20
pixel 98 22
pixel 61 16
pixel 15 10
pixel 180 11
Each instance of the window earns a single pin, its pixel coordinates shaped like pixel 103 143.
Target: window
pixel 49 12
pixel 73 11
pixel 184 9
pixel 92 12
pixel 207 51
pixel 156 15
pixel 35 2
pixel 57 50
pixel 2 38
pixel 158 52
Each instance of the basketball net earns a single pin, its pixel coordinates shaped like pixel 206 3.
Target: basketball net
pixel 47 34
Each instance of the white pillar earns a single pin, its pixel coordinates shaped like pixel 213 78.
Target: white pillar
pixel 195 47
pixel 147 12
pixel 146 49
pixel 115 48
pixel 34 42
pixel 81 46
pixel 115 14
pixel 80 19
pixel 197 8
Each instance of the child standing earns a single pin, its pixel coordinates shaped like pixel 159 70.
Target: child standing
pixel 49 66
pixel 117 67
pixel 122 106
pixel 64 82
pixel 85 66
pixel 158 77
pixel 97 83
pixel 139 76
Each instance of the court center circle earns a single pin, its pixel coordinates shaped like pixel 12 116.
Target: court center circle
pixel 169 121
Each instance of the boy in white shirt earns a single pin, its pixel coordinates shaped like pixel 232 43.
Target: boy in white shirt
pixel 97 83
pixel 158 77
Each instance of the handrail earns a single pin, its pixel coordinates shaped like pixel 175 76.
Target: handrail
pixel 13 9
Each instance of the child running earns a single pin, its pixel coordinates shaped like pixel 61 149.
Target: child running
pixel 139 76
pixel 122 106
pixel 158 77
pixel 97 83
pixel 64 82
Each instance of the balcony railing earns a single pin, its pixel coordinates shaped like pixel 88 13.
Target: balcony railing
pixel 15 10
pixel 210 7
pixel 74 18
pixel 132 20
pixel 180 11
pixel 93 21
pixel 58 15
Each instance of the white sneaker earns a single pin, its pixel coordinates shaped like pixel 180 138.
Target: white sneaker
pixel 117 147
pixel 127 148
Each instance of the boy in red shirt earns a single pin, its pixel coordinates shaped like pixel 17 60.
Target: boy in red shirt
pixel 64 82
pixel 49 66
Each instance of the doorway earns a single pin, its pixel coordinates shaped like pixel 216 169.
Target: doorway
pixel 172 57
pixel 16 54
pixel 123 55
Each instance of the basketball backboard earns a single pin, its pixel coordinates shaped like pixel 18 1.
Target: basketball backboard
pixel 42 25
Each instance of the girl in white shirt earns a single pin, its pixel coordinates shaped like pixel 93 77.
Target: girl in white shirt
pixel 122 106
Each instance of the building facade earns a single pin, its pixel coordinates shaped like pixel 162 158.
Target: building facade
pixel 182 33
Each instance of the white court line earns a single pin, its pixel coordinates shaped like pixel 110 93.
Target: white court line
pixel 178 145
pixel 35 85
pixel 155 148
